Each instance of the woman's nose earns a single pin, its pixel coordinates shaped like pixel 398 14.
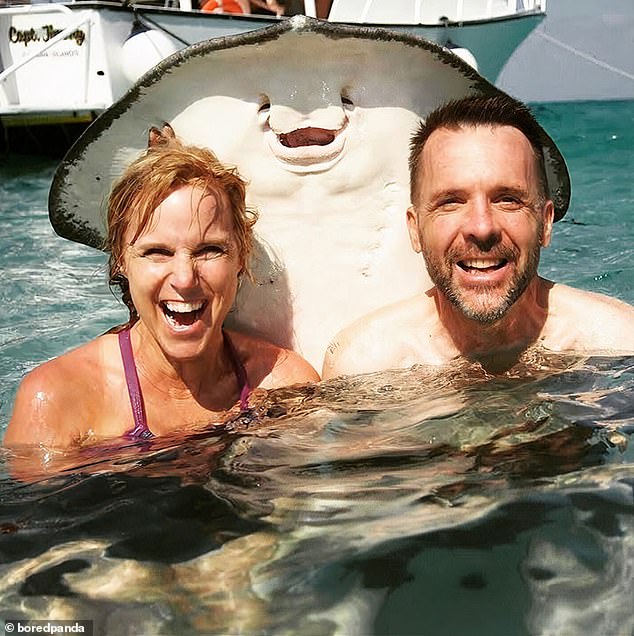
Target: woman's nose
pixel 184 271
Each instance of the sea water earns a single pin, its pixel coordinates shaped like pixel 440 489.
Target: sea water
pixel 383 504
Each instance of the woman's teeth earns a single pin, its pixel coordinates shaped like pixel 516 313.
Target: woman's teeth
pixel 182 313
pixel 182 307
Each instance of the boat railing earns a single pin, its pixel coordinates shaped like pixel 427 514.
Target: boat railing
pixel 7 4
pixel 428 11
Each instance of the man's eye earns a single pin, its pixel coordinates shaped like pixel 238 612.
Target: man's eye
pixel 449 203
pixel 510 201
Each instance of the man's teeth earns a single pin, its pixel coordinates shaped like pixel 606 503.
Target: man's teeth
pixel 479 263
pixel 182 307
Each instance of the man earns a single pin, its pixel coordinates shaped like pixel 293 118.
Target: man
pixel 481 213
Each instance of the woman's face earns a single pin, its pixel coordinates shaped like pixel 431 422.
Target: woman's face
pixel 183 272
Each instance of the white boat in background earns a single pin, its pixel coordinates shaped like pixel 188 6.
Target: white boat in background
pixel 583 50
pixel 65 63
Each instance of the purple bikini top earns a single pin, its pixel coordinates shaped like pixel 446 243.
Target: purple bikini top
pixel 141 429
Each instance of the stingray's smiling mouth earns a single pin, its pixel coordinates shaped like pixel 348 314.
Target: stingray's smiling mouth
pixel 308 148
pixel 307 137
pixel 305 148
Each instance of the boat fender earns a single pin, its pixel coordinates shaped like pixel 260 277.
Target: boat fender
pixel 466 55
pixel 144 50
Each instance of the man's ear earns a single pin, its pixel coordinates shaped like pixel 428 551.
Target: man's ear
pixel 412 228
pixel 548 215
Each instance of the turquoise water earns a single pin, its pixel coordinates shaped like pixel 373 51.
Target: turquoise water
pixel 384 505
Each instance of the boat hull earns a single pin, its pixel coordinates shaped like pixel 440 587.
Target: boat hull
pixel 476 36
pixel 583 50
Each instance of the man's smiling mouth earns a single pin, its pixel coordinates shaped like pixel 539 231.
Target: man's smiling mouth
pixel 482 265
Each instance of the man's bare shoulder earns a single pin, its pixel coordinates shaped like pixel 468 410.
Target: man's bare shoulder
pixel 391 337
pixel 270 366
pixel 588 321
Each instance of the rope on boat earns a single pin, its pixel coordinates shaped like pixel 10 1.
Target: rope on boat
pixel 585 56
pixel 139 15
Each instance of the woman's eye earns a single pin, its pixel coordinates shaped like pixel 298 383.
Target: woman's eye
pixel 156 252
pixel 211 251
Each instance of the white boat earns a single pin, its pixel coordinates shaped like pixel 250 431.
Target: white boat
pixel 583 50
pixel 65 63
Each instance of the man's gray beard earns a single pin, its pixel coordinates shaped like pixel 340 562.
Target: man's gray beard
pixel 483 315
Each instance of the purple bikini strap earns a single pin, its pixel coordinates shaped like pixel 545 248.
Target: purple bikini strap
pixel 240 371
pixel 140 430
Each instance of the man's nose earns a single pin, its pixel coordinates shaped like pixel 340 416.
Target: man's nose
pixel 481 224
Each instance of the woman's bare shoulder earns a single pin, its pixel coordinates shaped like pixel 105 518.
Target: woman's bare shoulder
pixel 270 366
pixel 56 393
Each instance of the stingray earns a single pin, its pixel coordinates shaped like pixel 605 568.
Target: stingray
pixel 317 118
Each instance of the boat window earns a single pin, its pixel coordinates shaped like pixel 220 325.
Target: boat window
pixel 422 11
pixel 381 12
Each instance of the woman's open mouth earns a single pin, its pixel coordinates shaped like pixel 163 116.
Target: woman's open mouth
pixel 182 314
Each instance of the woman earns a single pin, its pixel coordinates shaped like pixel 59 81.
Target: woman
pixel 179 237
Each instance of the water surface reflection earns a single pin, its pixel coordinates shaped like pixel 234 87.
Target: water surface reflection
pixel 389 503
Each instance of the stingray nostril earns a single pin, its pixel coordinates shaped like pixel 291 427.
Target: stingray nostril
pixel 265 104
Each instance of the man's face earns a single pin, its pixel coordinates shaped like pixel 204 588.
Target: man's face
pixel 478 218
